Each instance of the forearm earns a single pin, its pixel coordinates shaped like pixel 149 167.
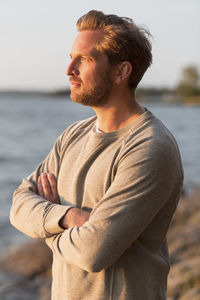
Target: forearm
pixel 74 247
pixel 30 212
pixel 94 246
pixel 33 215
pixel 36 209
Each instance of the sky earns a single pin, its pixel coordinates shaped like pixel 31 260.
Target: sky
pixel 36 37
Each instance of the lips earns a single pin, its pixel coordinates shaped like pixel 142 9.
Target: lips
pixel 74 82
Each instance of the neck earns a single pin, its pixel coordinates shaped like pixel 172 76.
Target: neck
pixel 118 112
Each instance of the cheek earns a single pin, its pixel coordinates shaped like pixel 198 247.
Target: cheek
pixel 89 76
pixel 92 73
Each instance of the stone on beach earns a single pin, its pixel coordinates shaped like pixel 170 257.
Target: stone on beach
pixel 25 272
pixel 184 246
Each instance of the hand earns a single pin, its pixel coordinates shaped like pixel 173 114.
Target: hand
pixel 74 217
pixel 47 188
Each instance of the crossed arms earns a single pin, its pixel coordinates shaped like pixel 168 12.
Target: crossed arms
pixel 47 189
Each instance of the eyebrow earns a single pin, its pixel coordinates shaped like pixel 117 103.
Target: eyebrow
pixel 94 54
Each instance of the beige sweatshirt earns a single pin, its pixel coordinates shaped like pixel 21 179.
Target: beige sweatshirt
pixel 130 180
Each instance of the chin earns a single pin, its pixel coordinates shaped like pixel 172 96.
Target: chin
pixel 96 97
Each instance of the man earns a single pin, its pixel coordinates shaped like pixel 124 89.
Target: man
pixel 104 196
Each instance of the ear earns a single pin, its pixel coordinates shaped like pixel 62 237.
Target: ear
pixel 123 71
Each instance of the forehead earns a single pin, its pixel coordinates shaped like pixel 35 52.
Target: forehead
pixel 86 41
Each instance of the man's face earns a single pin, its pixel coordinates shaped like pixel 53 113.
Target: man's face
pixel 89 71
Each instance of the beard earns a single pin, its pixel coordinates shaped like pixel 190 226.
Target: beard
pixel 96 96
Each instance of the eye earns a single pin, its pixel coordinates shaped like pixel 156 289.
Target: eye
pixel 85 59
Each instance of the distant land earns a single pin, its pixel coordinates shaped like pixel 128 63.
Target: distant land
pixel 63 92
pixel 144 94
pixel 151 93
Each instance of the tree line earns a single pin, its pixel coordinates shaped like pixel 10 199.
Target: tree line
pixel 186 91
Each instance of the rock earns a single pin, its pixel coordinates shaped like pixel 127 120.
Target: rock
pixel 184 247
pixel 28 259
pixel 26 272
pixel 21 290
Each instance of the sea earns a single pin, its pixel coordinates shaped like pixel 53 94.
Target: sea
pixel 30 124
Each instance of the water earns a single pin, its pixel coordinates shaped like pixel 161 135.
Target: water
pixel 30 125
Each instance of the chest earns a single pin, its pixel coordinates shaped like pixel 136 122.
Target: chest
pixel 87 170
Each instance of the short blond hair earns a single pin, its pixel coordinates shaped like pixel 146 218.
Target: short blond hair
pixel 122 41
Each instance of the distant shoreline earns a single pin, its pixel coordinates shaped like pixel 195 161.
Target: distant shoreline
pixel 35 92
pixel 156 95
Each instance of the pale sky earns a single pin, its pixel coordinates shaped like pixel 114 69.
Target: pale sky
pixel 36 38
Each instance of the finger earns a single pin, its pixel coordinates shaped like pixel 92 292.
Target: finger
pixel 46 187
pixel 39 187
pixel 53 185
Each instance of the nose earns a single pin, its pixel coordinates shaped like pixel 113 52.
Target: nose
pixel 72 69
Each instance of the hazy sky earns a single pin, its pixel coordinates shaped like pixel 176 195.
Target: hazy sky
pixel 36 37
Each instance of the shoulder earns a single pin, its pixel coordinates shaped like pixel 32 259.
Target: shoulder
pixel 151 134
pixel 151 142
pixel 151 152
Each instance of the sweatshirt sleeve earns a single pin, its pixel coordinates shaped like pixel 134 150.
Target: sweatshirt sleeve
pixel 146 180
pixel 30 213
